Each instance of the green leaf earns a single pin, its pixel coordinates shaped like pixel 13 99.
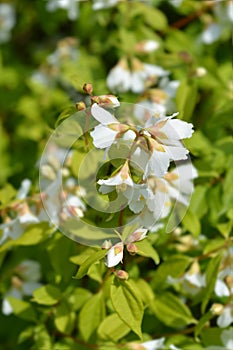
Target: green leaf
pixel 146 249
pixel 211 336
pixel 47 295
pixel 186 98
pixel 191 223
pixel 79 297
pixel 128 304
pixel 171 310
pixel 7 193
pixel 146 291
pixel 175 266
pixel 91 315
pixel 64 318
pixel 211 277
pixel 113 328
pixel 22 309
pixel 65 114
pixel 95 257
pixel 34 234
pixel 26 334
pixel 203 322
pixel 42 338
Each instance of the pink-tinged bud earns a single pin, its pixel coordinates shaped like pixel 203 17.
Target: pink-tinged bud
pixel 80 106
pixel 109 101
pixel 136 236
pixel 217 309
pixel 132 248
pixel 107 244
pixel 122 275
pixel 88 88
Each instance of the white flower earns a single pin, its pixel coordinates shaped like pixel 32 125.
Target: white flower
pixel 24 282
pixel 70 5
pixel 227 341
pixel 211 33
pixel 179 182
pixel 169 132
pixel 157 344
pixel 7 21
pixel 121 178
pixel 141 76
pixel 105 133
pixel 115 255
pixel 102 4
pixel 226 317
pixel 147 46
pixel 119 77
pixel 11 229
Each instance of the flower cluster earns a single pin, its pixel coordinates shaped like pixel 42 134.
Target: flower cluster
pixel 144 177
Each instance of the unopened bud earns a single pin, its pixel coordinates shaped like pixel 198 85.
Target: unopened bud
pixel 217 309
pixel 201 72
pixel 107 244
pixel 80 106
pixel 88 88
pixel 109 101
pixel 122 275
pixel 132 248
pixel 137 235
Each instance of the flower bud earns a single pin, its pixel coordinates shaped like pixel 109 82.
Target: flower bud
pixel 137 235
pixel 201 72
pixel 88 88
pixel 217 309
pixel 80 106
pixel 132 248
pixel 122 275
pixel 107 244
pixel 109 101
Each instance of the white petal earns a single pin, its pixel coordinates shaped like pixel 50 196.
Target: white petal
pixel 153 70
pixel 226 318
pixel 29 287
pixel 154 344
pixel 102 116
pixel 119 79
pixel 6 307
pixel 211 33
pixel 221 289
pixel 176 129
pixel 24 189
pixel 106 189
pixel 103 136
pixel 227 339
pixel 115 255
pixel 138 82
pixel 157 165
pixel 176 153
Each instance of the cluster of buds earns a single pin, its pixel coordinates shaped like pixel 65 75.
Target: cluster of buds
pixel 115 253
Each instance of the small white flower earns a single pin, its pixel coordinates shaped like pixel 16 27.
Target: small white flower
pixel 157 344
pixel 23 283
pixel 119 77
pixel 70 5
pixel 211 33
pixel 102 4
pixel 7 21
pixel 115 255
pixel 226 318
pixel 147 46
